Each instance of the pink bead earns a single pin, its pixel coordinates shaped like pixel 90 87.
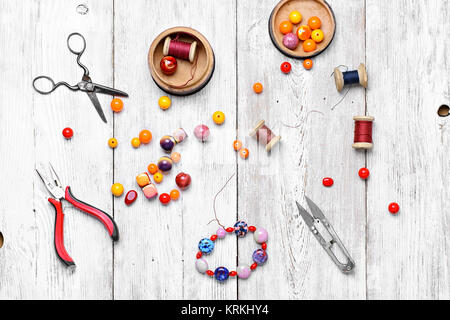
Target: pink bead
pixel 290 41
pixel 201 132
pixel 260 235
pixel 150 191
pixel 243 271
pixel 221 233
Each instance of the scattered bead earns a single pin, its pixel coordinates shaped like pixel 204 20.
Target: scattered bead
pixel 150 191
pixel 229 229
pixel 176 157
pixel 244 271
pixel 264 246
pixel 221 274
pixel 240 228
pixel 218 117
pixel 201 265
pixel 164 102
pixel 158 177
pixel 112 143
pixel 116 105
pixel 165 164
pixel 394 207
pixel 210 273
pixel 183 180
pixel 364 173
pixel 304 32
pixel 258 87
pixel 307 64
pixel 117 189
pixel 206 246
pixel 152 168
pixel 164 198
pixel 199 255
pixel 135 142
pixel 314 22
pixel 67 133
pixel 309 45
pixel 244 153
pixel 253 266
pixel 285 27
pixel 233 274
pixel 259 256
pixel 237 145
pixel 214 237
pixel 174 194
pixel 260 235
pixel 285 67
pixel 295 17
pixel 317 35
pixel 130 197
pixel 327 182
pixel 290 41
pixel 252 228
pixel 167 143
pixel 143 179
pixel 201 132
pixel 168 65
pixel 221 233
pixel 145 136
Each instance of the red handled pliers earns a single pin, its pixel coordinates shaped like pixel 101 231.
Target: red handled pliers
pixel 58 192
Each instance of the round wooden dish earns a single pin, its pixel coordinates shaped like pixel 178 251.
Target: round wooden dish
pixel 307 8
pixel 205 63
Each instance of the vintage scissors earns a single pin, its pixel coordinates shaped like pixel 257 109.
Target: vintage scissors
pixel 55 187
pixel 85 84
pixel 325 234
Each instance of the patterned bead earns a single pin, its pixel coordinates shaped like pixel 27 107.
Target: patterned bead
pixel 221 274
pixel 206 246
pixel 165 164
pixel 201 265
pixel 221 233
pixel 260 235
pixel 259 256
pixel 243 271
pixel 167 143
pixel 240 228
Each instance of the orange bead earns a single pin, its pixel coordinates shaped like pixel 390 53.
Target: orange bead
pixel 244 153
pixel 116 105
pixel 258 87
pixel 145 136
pixel 317 35
pixel 309 45
pixel 285 27
pixel 237 145
pixel 135 142
pixel 176 157
pixel 307 64
pixel 303 32
pixel 152 168
pixel 314 22
pixel 174 194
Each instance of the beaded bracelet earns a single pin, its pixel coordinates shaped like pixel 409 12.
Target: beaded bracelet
pixel 206 246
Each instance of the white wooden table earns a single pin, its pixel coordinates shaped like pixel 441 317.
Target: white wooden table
pixel 404 45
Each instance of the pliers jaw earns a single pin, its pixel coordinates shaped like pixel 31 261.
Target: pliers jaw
pixel 54 185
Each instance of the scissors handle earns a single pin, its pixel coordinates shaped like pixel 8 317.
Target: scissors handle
pixel 53 85
pixel 78 53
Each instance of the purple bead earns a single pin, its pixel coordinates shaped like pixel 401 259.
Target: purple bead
pixel 167 143
pixel 259 256
pixel 260 235
pixel 165 164
pixel 221 233
pixel 201 132
pixel 290 41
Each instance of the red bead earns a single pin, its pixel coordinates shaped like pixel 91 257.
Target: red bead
pixel 327 182
pixel 264 246
pixel 364 173
pixel 394 207
pixel 252 228
pixel 67 133
pixel 199 255
pixel 253 266
pixel 285 67
pixel 168 65
pixel 233 273
pixel 229 229
pixel 210 273
pixel 164 198
pixel 130 197
pixel 213 237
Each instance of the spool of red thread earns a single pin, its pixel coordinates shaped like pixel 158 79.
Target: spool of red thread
pixel 264 135
pixel 179 49
pixel 363 132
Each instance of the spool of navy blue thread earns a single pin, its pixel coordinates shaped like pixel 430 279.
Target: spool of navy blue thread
pixel 350 77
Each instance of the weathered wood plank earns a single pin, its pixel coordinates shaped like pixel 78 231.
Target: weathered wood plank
pixel 407 48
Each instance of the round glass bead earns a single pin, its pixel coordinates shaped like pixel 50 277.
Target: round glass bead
pixel 221 274
pixel 165 164
pixel 260 235
pixel 243 271
pixel 221 233
pixel 201 265
pixel 240 228
pixel 206 245
pixel 259 256
pixel 167 143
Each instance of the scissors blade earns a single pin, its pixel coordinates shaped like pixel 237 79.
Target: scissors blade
pixel 107 90
pixel 316 212
pixel 309 220
pixel 97 105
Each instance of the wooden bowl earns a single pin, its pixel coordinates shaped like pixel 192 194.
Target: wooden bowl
pixel 307 8
pixel 205 63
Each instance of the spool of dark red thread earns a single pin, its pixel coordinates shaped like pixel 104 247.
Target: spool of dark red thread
pixel 264 135
pixel 363 132
pixel 179 49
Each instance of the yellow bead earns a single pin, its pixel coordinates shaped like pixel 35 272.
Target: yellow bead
pixel 158 177
pixel 112 143
pixel 117 189
pixel 135 142
pixel 317 35
pixel 295 17
pixel 218 117
pixel 164 102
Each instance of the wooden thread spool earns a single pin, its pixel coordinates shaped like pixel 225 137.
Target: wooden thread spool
pixel 264 135
pixel 350 77
pixel 363 132
pixel 192 49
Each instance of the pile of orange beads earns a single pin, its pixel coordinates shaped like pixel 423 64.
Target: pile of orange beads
pixel 145 136
pixel 243 152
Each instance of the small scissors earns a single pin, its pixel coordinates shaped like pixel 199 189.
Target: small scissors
pixel 325 234
pixel 55 187
pixel 86 83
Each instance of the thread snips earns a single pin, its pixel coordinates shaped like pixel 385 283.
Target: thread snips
pixel 325 234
